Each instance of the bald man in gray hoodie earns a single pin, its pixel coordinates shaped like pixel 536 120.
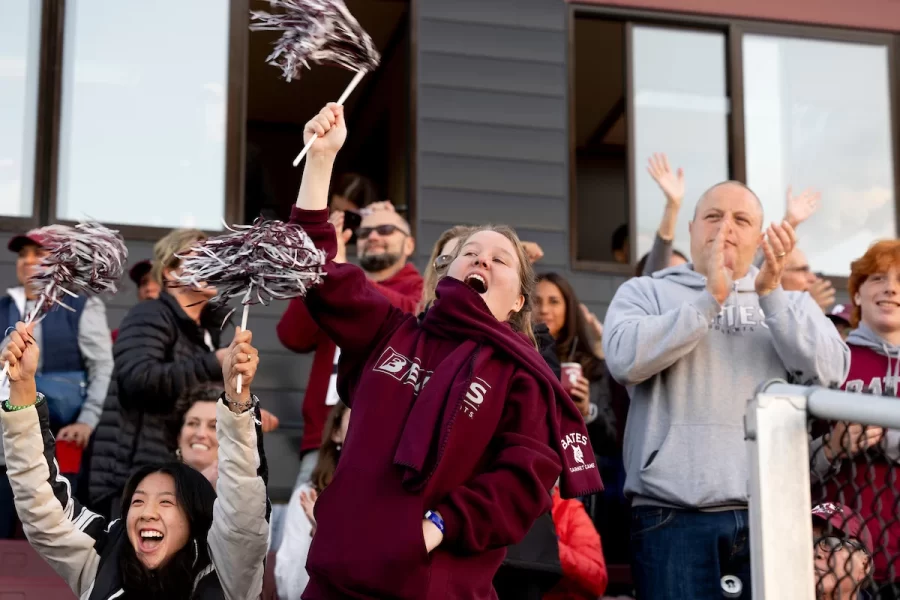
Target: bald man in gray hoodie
pixel 692 343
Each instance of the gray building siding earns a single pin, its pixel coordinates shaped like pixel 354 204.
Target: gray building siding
pixel 492 127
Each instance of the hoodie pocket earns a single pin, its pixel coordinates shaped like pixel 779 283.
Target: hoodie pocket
pixel 698 466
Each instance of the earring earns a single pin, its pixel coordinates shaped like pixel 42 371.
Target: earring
pixel 338 447
pixel 196 554
pixel 178 454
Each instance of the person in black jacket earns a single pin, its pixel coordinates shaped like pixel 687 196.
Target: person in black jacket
pixel 165 347
pixel 177 538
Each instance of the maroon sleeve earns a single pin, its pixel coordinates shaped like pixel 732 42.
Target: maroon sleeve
pixel 348 309
pixel 517 480
pixel 405 302
pixel 297 330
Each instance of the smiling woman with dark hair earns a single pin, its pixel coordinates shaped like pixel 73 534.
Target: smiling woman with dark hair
pixel 176 539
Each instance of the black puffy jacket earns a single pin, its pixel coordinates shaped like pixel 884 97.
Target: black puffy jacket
pixel 160 354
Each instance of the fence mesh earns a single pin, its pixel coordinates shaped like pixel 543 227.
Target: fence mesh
pixel 856 509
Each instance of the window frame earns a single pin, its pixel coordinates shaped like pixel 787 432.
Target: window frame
pixel 46 169
pixel 734 30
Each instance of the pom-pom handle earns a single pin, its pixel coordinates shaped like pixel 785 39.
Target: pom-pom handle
pixel 356 79
pixel 240 381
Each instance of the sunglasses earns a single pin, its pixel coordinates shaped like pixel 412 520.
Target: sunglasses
pixel 382 230
pixel 442 262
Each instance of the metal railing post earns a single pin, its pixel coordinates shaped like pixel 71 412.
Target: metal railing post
pixel 780 503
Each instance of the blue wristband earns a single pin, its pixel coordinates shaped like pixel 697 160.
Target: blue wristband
pixel 436 519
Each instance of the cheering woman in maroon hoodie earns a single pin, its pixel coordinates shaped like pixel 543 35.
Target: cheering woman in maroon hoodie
pixel 459 428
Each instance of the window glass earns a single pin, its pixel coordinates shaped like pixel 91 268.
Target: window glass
pixel 681 108
pixel 20 32
pixel 142 138
pixel 817 114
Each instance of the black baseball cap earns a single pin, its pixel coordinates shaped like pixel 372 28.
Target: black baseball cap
pixel 137 272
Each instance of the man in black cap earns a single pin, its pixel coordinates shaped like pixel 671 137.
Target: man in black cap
pixel 75 375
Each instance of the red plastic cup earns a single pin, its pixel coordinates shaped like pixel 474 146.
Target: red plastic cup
pixel 569 375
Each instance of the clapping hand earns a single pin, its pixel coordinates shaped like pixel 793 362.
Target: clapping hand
pixel 595 328
pixel 800 208
pixel 823 293
pixel 534 252
pixel 777 244
pixel 719 280
pixel 672 184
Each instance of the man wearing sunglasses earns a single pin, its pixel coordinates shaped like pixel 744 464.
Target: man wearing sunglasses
pixel 842 553
pixel 384 245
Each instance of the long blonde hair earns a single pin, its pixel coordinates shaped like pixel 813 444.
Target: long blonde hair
pixel 432 274
pixel 520 321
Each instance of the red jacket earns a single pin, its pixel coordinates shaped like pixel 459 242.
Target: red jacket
pixel 580 553
pixel 298 332
pixel 867 483
pixel 474 434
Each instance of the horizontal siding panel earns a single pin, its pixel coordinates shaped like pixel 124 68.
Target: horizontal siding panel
pixel 491 141
pixel 492 41
pixel 467 106
pixel 457 206
pixel 477 73
pixel 546 15
pixel 492 175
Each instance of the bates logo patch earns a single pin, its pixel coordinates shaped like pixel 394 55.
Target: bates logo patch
pixel 575 441
pixel 392 363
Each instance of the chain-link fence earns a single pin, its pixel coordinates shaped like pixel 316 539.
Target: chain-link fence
pixel 825 494
pixel 855 474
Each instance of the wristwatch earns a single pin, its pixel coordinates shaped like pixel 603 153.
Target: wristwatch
pixel 241 406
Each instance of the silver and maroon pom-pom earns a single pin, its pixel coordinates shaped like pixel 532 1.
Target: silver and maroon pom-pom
pixel 88 258
pixel 268 260
pixel 316 31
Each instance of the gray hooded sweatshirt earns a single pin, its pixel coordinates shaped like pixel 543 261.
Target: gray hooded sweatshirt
pixel 690 367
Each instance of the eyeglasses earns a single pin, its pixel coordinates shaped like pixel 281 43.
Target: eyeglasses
pixel 442 262
pixel 831 543
pixel 382 230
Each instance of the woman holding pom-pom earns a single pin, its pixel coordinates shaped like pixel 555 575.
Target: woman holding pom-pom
pixel 459 428
pixel 176 539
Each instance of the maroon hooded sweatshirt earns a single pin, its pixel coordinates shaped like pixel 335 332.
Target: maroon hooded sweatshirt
pixel 298 331
pixel 457 414
pixel 867 483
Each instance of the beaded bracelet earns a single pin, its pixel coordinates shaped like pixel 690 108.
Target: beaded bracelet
pixel 8 407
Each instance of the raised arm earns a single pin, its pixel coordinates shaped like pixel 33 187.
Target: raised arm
pixel 239 537
pixel 807 343
pixel 348 308
pixel 639 342
pixel 672 186
pixel 65 534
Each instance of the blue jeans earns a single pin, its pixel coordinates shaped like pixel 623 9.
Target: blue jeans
pixel 681 554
